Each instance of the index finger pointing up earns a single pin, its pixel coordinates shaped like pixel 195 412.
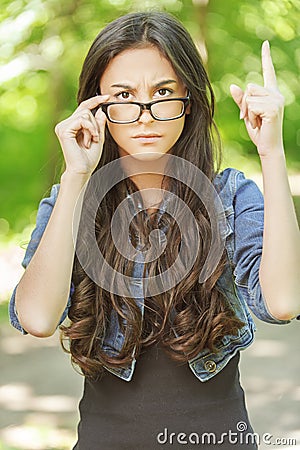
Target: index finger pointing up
pixel 267 66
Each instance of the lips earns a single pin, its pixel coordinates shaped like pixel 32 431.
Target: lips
pixel 147 138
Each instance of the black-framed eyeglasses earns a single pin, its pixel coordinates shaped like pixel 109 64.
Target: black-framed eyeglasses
pixel 129 112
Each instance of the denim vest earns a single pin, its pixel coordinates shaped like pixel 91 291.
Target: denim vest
pixel 244 211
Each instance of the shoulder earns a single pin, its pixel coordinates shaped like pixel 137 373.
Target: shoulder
pixel 228 179
pixel 232 185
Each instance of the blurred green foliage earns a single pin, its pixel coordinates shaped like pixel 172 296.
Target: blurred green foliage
pixel 43 44
pixel 234 38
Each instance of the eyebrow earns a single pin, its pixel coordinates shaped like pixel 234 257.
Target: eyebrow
pixel 157 85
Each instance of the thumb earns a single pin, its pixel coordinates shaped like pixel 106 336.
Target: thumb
pixel 237 94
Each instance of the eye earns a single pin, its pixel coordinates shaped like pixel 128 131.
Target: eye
pixel 124 95
pixel 163 92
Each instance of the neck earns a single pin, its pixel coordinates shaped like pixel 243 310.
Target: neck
pixel 146 175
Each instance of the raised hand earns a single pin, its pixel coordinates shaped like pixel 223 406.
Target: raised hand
pixel 262 108
pixel 82 136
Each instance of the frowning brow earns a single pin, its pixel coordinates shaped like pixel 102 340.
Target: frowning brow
pixel 156 85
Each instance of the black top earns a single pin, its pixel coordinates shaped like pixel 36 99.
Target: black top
pixel 163 399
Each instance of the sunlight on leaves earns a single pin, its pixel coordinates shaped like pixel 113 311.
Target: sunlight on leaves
pixel 29 437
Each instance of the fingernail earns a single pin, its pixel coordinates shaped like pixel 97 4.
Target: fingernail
pixel 267 44
pixel 241 114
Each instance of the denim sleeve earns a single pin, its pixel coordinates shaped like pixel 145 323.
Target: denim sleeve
pixel 248 234
pixel 44 212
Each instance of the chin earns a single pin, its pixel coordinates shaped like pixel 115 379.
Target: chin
pixel 147 156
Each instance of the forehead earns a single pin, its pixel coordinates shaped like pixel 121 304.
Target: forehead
pixel 138 64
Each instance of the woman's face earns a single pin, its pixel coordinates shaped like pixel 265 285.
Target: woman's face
pixel 143 75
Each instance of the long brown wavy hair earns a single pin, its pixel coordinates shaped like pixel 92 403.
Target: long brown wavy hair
pixel 203 315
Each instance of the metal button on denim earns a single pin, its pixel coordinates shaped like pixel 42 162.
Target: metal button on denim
pixel 210 366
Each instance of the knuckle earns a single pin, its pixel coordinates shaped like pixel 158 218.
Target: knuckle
pixel 57 129
pixel 81 112
pixel 251 87
pixel 281 99
pixel 274 111
pixel 84 103
pixel 86 115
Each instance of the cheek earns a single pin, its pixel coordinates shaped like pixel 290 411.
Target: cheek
pixel 177 130
pixel 111 128
pixel 116 132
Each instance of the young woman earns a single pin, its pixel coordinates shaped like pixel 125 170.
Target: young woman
pixel 154 297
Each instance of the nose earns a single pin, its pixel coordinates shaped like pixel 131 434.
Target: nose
pixel 146 117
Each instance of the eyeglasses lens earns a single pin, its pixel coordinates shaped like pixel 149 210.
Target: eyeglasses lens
pixel 160 110
pixel 167 110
